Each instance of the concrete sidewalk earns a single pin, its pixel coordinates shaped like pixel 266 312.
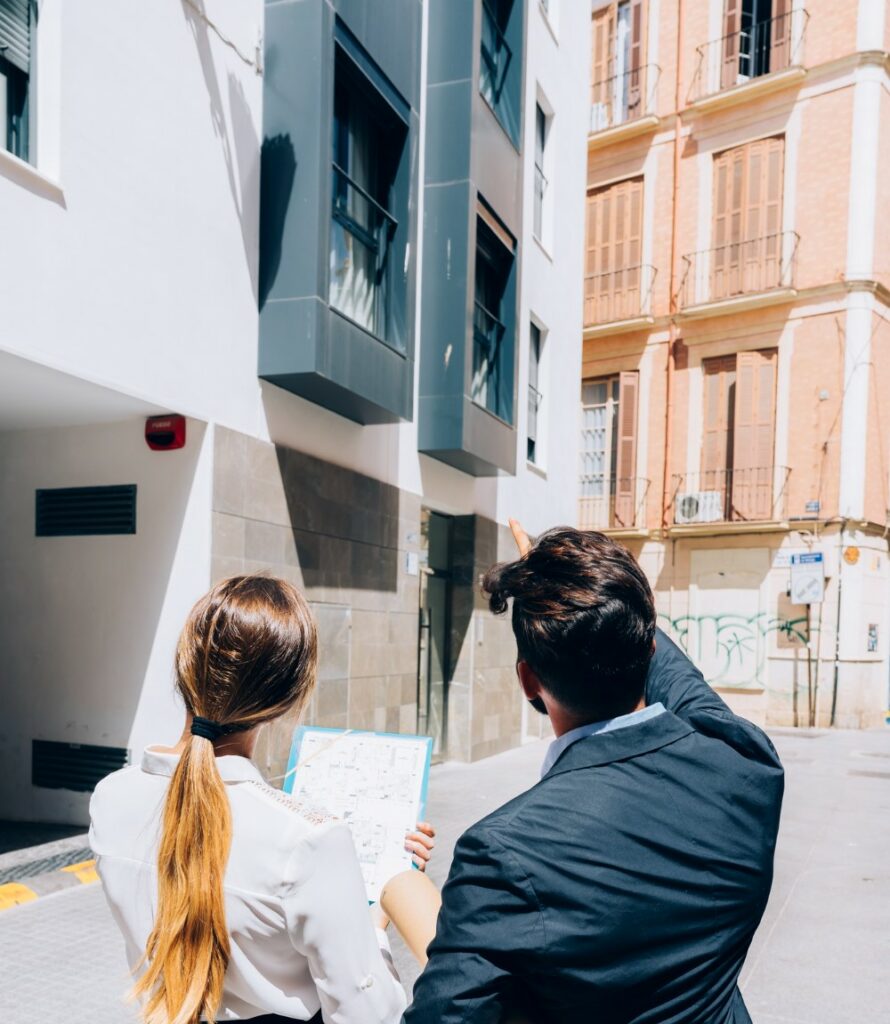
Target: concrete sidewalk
pixel 821 956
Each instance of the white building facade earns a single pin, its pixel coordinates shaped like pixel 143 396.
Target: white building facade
pixel 130 280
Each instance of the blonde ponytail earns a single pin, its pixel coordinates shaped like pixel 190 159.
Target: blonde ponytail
pixel 188 950
pixel 246 655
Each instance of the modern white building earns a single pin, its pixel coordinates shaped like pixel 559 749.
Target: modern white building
pixel 348 250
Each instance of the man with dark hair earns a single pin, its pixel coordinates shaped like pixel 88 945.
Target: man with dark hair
pixel 626 886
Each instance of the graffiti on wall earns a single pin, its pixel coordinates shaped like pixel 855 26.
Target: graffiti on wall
pixel 732 649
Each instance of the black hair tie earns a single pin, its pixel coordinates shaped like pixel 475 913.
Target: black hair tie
pixel 209 729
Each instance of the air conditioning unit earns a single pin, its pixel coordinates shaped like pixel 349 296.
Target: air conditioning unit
pixel 699 507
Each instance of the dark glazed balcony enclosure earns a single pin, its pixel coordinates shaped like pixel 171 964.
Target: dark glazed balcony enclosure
pixel 623 97
pixel 731 495
pixel 752 48
pixel 611 502
pixel 615 295
pixel 740 268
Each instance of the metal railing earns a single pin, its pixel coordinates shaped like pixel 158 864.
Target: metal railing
pixel 623 97
pixel 488 335
pixel 730 495
pixel 755 49
pixel 360 253
pixel 621 294
pixel 739 268
pixel 496 56
pixel 540 188
pixel 534 404
pixel 612 503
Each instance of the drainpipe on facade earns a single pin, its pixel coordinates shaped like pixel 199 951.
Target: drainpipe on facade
pixel 837 627
pixel 673 297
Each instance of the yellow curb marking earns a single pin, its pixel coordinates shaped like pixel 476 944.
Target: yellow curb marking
pixel 13 893
pixel 85 871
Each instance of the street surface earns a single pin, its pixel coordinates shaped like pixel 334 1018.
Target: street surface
pixel 821 956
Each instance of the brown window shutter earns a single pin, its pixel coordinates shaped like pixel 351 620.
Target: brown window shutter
pixel 718 423
pixel 780 36
pixel 755 406
pixel 732 23
pixel 729 191
pixel 635 69
pixel 614 248
pixel 591 268
pixel 603 56
pixel 773 173
pixel 626 461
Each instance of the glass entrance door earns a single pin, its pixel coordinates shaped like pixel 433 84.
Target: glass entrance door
pixel 434 656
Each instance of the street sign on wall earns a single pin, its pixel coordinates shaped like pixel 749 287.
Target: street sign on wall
pixel 807 578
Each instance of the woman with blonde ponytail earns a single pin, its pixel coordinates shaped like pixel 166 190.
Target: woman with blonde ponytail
pixel 236 902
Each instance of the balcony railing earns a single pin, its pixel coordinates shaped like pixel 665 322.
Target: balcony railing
pixel 730 495
pixel 618 294
pixel 612 503
pixel 623 97
pixel 740 268
pixel 756 49
pixel 487 386
pixel 360 243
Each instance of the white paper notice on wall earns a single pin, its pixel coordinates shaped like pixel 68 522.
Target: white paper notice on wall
pixel 807 578
pixel 376 783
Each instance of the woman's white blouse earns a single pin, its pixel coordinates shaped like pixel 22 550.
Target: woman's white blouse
pixel 302 938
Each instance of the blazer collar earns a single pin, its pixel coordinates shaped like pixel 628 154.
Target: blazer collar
pixel 622 744
pixel 232 768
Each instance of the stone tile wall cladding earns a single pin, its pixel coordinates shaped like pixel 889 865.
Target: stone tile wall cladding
pixel 344 539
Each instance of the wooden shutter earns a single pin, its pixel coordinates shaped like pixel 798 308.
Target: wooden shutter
pixel 718 424
pixel 732 24
pixel 773 173
pixel 603 62
pixel 626 459
pixel 755 428
pixel 635 84
pixel 780 36
pixel 614 250
pixel 747 228
pixel 729 191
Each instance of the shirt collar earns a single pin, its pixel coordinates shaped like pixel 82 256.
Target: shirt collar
pixel 232 768
pixel 562 743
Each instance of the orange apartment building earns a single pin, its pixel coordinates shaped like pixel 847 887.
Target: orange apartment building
pixel 736 369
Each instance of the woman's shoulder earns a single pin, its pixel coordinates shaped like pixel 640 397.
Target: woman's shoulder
pixel 288 807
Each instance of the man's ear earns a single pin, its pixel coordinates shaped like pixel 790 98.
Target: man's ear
pixel 531 685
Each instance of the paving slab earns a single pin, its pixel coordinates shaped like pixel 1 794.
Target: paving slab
pixel 821 955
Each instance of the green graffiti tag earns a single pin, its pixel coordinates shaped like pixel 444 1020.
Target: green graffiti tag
pixel 732 647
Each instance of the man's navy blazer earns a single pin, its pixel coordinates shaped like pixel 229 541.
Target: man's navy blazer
pixel 623 888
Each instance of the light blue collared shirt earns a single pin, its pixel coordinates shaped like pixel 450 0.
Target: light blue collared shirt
pixel 593 728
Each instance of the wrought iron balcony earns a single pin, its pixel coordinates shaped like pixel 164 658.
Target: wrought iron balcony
pixel 622 294
pixel 623 97
pixel 730 495
pixel 612 503
pixel 756 49
pixel 740 268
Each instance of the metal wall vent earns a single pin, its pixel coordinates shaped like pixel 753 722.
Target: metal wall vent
pixel 77 766
pixel 85 511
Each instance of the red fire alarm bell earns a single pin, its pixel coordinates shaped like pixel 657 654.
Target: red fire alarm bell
pixel 165 433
